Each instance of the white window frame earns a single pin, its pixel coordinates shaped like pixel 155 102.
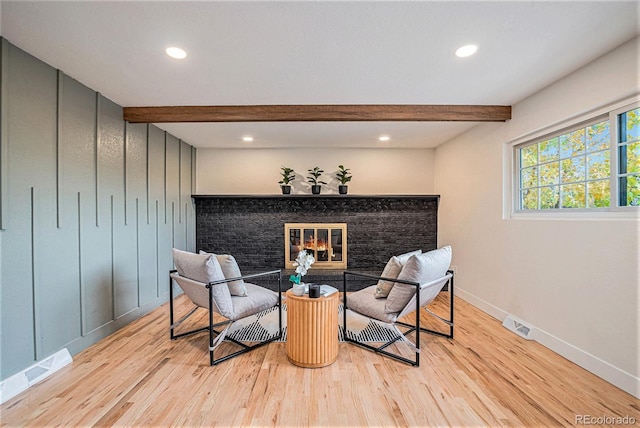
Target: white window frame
pixel 576 127
pixel 615 136
pixel 511 170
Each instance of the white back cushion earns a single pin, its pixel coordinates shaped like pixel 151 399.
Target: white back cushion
pixel 230 269
pixel 199 267
pixel 204 268
pixel 404 258
pixel 421 268
pixel 391 270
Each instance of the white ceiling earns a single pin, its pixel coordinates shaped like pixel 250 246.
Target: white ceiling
pixel 322 52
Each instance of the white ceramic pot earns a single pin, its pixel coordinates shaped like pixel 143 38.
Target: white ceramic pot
pixel 298 289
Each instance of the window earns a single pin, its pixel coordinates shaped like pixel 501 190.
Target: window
pixel 572 169
pixel 629 158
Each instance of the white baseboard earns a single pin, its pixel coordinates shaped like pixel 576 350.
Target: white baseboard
pixel 615 376
pixel 484 306
pixel 19 382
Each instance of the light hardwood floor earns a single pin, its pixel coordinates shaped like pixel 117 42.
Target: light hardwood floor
pixel 485 377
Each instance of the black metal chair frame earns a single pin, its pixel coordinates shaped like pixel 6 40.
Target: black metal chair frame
pixel 211 328
pixel 411 327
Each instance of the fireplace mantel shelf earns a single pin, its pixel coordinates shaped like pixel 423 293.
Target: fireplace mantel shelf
pixel 321 196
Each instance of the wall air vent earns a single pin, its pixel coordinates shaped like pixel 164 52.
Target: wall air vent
pixel 518 327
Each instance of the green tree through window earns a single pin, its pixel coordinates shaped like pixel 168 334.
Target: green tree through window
pixel 595 165
pixel 570 170
pixel 629 158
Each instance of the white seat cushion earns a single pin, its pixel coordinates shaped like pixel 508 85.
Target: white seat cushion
pixel 364 302
pixel 257 299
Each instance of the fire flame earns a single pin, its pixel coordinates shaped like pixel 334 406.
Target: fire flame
pixel 311 244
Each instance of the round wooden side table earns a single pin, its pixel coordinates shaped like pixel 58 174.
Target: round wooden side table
pixel 312 330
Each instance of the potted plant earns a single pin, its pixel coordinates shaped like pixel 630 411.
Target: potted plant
pixel 344 177
pixel 313 178
pixel 288 175
pixel 303 264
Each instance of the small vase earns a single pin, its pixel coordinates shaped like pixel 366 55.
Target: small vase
pixel 299 289
pixel 315 189
pixel 342 189
pixel 286 189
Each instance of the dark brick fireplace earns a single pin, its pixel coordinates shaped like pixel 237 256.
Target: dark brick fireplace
pixel 251 228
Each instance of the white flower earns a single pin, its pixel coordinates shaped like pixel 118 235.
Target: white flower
pixel 303 262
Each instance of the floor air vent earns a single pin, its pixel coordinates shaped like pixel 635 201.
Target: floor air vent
pixel 17 383
pixel 518 327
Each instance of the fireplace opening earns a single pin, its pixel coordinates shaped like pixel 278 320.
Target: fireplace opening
pixel 327 242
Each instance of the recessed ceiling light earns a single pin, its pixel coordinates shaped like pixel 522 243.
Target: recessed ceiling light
pixel 176 53
pixel 247 138
pixel 384 138
pixel 466 51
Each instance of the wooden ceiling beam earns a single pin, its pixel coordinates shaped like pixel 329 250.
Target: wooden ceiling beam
pixel 319 113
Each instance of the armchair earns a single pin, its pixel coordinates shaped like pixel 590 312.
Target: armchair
pixel 214 283
pixel 409 282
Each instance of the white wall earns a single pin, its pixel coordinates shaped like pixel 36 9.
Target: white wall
pixel 575 280
pixel 257 171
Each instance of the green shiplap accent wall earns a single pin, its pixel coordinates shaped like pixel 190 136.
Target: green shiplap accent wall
pixel 90 207
pixel 4 52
